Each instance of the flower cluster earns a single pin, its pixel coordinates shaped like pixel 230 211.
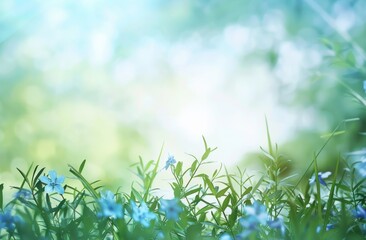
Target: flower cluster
pixel 9 221
pixel 142 214
pixel 277 224
pixel 255 216
pixel 360 212
pixel 109 207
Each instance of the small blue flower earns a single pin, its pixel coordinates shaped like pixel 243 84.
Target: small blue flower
pixel 327 228
pixel 24 194
pixel 53 183
pixel 171 208
pixel 142 214
pixel 9 221
pixel 255 215
pixel 226 236
pixel 109 207
pixel 171 161
pixel 277 224
pixel 364 85
pixel 321 177
pixel 360 212
pixel 258 211
pixel 160 236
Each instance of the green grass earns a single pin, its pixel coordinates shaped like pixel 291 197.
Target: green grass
pixel 221 205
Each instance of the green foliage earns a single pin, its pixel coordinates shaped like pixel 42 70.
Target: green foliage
pixel 239 206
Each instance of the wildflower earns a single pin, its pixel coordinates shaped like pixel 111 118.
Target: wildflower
pixel 171 161
pixel 142 214
pixel 258 211
pixel 24 194
pixel 226 236
pixel 277 224
pixel 53 183
pixel 160 235
pixel 109 207
pixel 171 208
pixel 327 228
pixel 360 212
pixel 364 85
pixel 8 221
pixel 255 215
pixel 321 177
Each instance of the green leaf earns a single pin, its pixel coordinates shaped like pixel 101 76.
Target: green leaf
pixel 204 142
pixel 206 154
pixel 81 167
pixel 226 201
pixel 232 217
pixel 25 177
pixel 247 191
pixel 48 202
pixel 85 183
pixel 190 192
pixel 137 194
pixel 210 185
pixel 178 168
pixel 204 209
pixel 202 217
pixel 194 231
pixel 193 167
pixel 35 177
pixel 222 192
pixel 269 140
pixel 59 206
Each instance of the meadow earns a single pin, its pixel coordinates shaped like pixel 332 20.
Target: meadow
pixel 276 88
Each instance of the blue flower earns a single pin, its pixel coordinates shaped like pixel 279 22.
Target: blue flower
pixel 160 236
pixel 109 207
pixel 226 236
pixel 277 224
pixel 9 221
pixel 327 228
pixel 321 177
pixel 142 214
pixel 258 211
pixel 171 161
pixel 171 208
pixel 255 215
pixel 364 85
pixel 53 183
pixel 360 212
pixel 24 194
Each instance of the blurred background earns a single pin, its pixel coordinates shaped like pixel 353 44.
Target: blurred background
pixel 108 81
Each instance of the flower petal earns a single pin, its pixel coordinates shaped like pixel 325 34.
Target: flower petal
pixel 53 175
pixel 325 175
pixel 59 189
pixel 60 180
pixel 48 189
pixel 45 180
